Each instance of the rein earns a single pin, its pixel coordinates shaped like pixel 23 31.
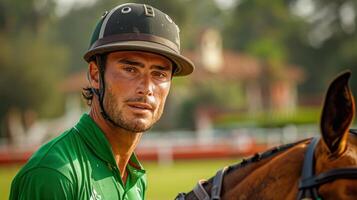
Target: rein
pixel 308 182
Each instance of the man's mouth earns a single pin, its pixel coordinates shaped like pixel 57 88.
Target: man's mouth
pixel 140 106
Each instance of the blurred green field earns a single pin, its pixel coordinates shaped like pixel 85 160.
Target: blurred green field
pixel 165 181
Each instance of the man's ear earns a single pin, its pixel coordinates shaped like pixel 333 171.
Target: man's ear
pixel 93 74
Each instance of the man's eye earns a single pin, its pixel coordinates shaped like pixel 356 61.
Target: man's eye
pixel 129 69
pixel 160 75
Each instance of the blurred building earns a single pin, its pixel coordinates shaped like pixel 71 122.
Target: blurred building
pixel 263 88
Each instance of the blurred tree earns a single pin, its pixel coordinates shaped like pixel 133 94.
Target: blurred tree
pixel 263 29
pixel 31 61
pixel 319 35
pixel 330 39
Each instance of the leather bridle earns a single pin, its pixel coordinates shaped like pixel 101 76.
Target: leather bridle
pixel 308 185
pixel 200 191
pixel 310 182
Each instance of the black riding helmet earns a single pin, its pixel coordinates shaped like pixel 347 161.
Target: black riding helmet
pixel 139 27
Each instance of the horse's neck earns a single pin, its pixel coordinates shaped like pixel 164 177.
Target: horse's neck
pixel 280 172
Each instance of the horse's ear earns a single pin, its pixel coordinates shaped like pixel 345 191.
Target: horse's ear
pixel 337 114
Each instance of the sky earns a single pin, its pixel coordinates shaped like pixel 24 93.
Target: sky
pixel 63 6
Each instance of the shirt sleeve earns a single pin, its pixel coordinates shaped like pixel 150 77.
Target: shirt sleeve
pixel 41 184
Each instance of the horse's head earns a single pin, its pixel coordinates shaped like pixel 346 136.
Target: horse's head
pixel 299 169
pixel 337 148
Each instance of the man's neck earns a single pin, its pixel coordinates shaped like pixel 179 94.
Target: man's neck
pixel 123 145
pixel 123 142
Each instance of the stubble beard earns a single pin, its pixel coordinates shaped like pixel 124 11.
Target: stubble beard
pixel 116 115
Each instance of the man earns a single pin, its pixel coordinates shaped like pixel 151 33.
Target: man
pixel 133 54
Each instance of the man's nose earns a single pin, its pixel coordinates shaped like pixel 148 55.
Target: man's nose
pixel 146 86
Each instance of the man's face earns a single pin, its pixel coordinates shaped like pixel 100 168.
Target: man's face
pixel 136 87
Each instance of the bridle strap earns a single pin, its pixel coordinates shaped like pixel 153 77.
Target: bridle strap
pixel 308 172
pixel 181 196
pixel 200 191
pixel 217 184
pixel 309 162
pixel 343 173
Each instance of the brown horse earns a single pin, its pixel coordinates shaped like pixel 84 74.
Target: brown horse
pixel 277 173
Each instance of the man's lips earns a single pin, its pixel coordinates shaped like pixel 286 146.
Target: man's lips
pixel 140 105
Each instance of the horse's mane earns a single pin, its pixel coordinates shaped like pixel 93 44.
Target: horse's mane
pixel 261 156
pixel 271 152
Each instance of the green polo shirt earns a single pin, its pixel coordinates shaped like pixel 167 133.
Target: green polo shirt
pixel 79 164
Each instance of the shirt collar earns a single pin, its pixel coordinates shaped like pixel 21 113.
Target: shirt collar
pixel 94 137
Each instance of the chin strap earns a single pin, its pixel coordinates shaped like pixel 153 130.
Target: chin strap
pixel 100 59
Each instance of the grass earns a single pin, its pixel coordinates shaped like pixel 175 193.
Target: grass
pixel 7 173
pixel 164 181
pixel 307 115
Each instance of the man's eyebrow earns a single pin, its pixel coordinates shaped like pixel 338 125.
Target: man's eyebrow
pixel 131 62
pixel 161 67
pixel 136 63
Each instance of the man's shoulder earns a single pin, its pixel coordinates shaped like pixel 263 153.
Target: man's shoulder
pixel 40 182
pixel 59 154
